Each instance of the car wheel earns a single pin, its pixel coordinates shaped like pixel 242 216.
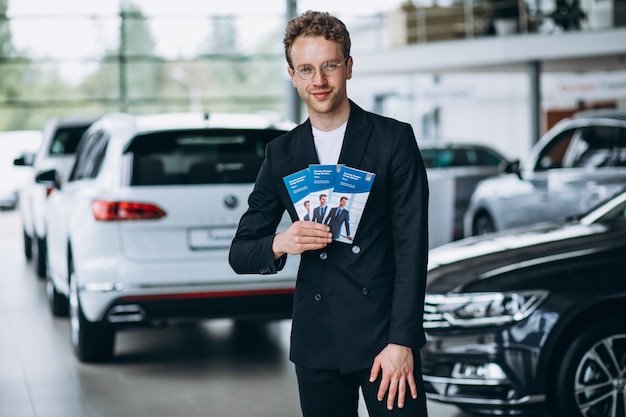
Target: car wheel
pixel 59 304
pixel 28 246
pixel 41 257
pixel 91 341
pixel 483 224
pixel 590 380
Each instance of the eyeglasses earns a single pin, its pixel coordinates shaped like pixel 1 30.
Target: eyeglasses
pixel 307 71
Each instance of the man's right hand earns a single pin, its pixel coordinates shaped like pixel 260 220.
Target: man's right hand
pixel 300 237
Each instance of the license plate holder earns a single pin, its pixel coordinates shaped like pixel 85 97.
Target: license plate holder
pixel 203 238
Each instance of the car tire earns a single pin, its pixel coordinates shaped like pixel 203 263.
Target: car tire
pixel 41 257
pixel 59 303
pixel 91 341
pixel 28 245
pixel 483 224
pixel 590 374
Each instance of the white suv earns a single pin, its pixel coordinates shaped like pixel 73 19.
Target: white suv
pixel 576 165
pixel 140 231
pixel 60 138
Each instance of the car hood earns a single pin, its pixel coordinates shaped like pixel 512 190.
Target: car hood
pixel 480 263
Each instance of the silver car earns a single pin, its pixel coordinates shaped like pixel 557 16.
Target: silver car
pixel 57 151
pixel 577 164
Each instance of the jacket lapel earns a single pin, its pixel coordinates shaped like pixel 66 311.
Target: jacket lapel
pixel 304 152
pixel 357 136
pixel 354 142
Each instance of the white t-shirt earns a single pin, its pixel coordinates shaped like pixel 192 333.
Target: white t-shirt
pixel 328 144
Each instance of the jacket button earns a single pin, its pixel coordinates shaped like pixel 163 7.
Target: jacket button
pixel 365 291
pixel 318 297
pixel 356 249
pixel 323 256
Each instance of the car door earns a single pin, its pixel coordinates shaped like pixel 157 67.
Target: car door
pixel 62 203
pixel 528 200
pixel 594 169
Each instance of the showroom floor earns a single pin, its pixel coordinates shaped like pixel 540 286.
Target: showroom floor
pixel 208 369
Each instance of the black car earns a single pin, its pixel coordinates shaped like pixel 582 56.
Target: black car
pixel 531 319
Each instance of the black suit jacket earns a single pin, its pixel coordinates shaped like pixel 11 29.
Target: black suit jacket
pixel 350 300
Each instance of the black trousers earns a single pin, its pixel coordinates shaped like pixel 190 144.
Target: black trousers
pixel 328 393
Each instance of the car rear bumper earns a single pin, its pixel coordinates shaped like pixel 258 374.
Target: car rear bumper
pixel 149 303
pixel 117 290
pixel 240 304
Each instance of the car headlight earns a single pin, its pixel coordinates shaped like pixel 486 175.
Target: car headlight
pixel 480 309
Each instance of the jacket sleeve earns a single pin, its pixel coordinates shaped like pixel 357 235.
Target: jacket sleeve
pixel 251 249
pixel 409 214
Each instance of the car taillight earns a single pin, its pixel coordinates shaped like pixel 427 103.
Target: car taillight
pixel 49 191
pixel 125 210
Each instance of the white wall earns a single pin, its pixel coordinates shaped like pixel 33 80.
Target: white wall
pixel 487 108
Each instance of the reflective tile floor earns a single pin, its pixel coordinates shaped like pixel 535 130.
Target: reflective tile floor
pixel 214 368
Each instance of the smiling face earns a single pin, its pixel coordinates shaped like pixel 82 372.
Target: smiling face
pixel 325 96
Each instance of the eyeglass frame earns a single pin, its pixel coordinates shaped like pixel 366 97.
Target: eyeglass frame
pixel 319 67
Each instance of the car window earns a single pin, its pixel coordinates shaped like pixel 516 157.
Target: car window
pixel 598 146
pixel 198 157
pixel 436 158
pixel 458 157
pixel 66 140
pixel 89 157
pixel 444 157
pixel 481 157
pixel 553 154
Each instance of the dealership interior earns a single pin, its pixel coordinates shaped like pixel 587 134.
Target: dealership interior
pixel 508 76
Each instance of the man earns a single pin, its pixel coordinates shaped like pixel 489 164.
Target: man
pixel 338 217
pixel 320 211
pixel 358 308
pixel 307 207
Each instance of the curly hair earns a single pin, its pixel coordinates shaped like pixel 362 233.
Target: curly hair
pixel 312 23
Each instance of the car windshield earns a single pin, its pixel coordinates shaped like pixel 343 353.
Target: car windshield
pixel 611 211
pixel 198 157
pixel 598 146
pixel 66 140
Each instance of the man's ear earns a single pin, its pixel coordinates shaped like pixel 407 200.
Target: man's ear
pixel 292 75
pixel 349 68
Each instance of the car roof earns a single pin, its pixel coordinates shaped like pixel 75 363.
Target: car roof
pixel 18 134
pixel 13 141
pixel 451 144
pixel 68 121
pixel 434 144
pixel 618 114
pixel 183 121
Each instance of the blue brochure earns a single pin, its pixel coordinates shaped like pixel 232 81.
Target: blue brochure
pixel 347 202
pixel 322 180
pixel 298 185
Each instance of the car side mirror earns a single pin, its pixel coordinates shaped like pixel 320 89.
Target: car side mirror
pixel 49 178
pixel 25 160
pixel 513 167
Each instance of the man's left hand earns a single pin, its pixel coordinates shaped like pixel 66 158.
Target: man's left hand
pixel 396 363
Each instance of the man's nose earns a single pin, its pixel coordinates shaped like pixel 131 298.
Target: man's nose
pixel 318 76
